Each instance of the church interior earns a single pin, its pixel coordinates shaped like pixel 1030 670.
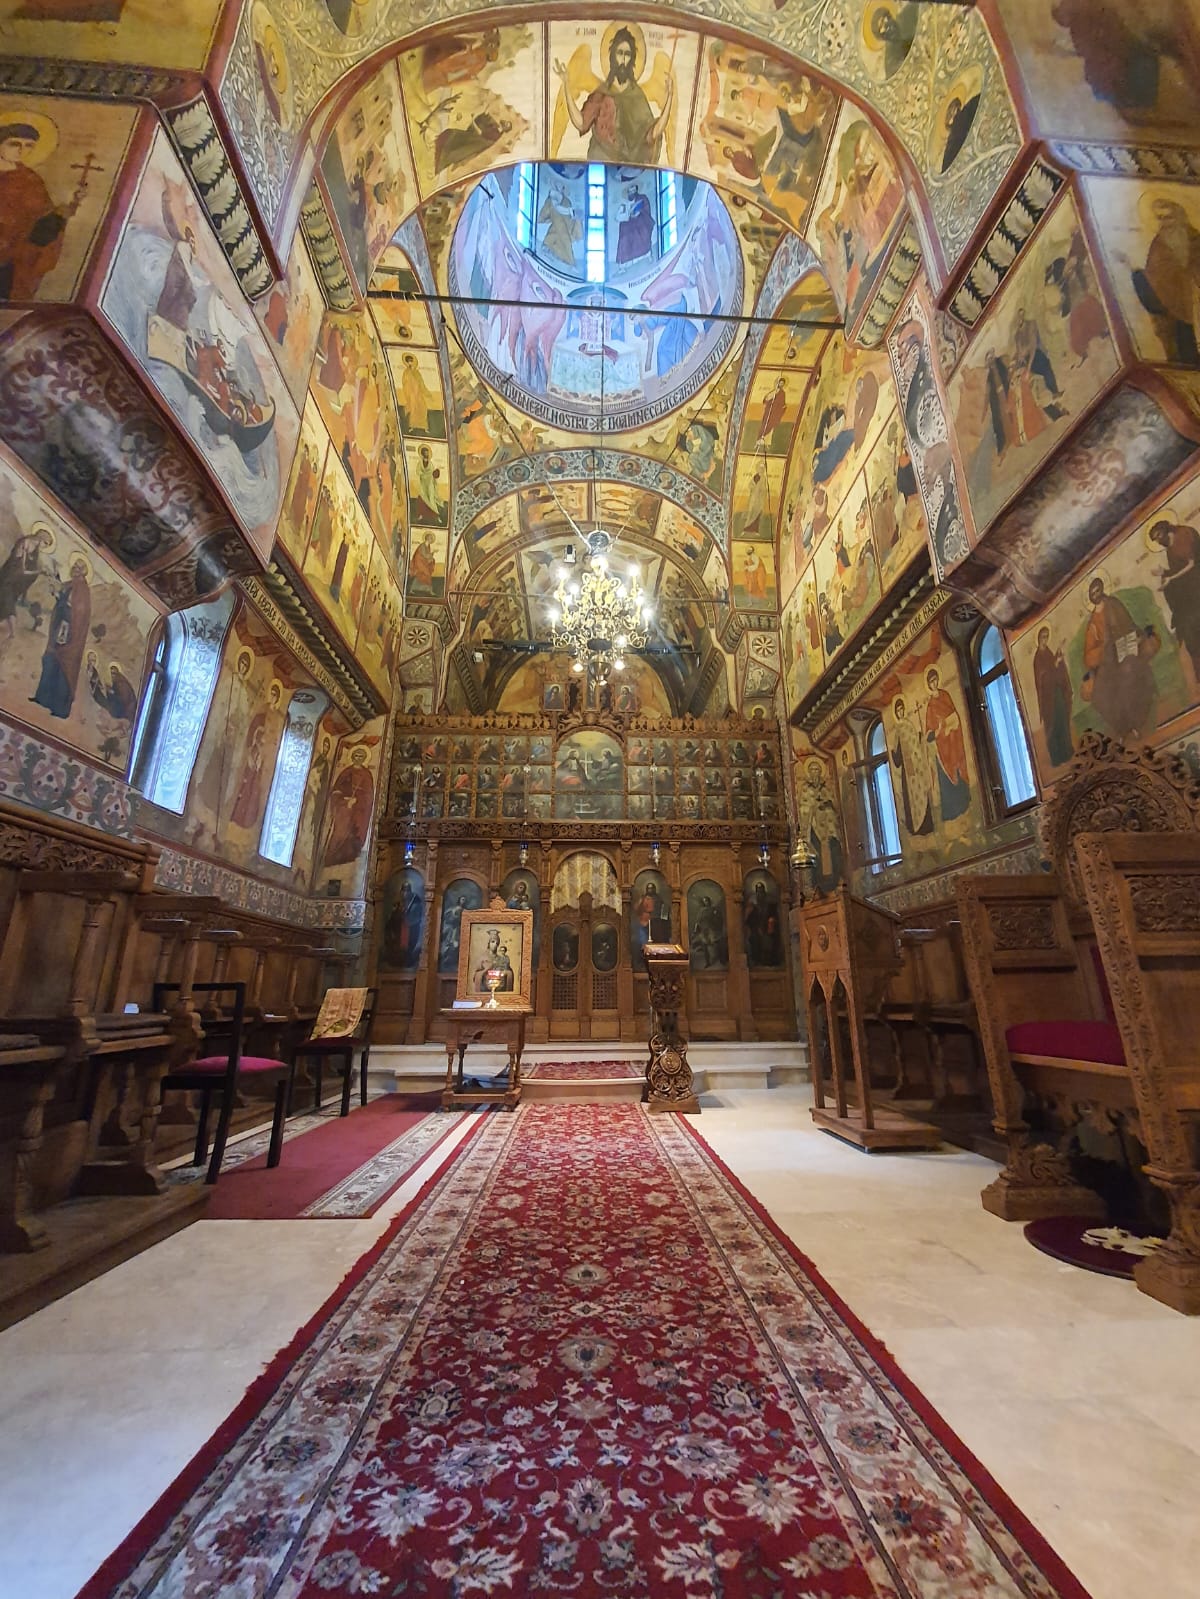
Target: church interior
pixel 599 798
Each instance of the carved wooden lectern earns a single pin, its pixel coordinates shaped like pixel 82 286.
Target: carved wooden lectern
pixel 849 950
pixel 668 1075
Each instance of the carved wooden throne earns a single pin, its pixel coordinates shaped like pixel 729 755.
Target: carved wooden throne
pixel 1087 982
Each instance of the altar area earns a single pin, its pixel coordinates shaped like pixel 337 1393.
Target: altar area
pixel 600 1072
pixel 614 832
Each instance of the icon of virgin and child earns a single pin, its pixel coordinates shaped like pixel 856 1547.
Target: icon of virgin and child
pixel 495 958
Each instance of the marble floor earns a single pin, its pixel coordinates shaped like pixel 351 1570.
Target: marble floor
pixel 1081 1396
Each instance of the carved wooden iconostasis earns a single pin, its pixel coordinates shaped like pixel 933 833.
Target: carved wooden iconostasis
pixel 615 831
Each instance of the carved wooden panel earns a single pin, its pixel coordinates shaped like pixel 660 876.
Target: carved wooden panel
pixel 1165 903
pixel 824 940
pixel 604 990
pixel 21 847
pixel 565 991
pixel 1022 926
pixel 1108 789
pixel 710 992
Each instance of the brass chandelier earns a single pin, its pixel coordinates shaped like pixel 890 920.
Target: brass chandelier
pixel 600 614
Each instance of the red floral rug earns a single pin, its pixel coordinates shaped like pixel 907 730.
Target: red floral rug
pixel 585 1362
pixel 342 1166
pixel 585 1071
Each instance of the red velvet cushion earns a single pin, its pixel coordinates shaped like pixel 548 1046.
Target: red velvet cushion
pixel 1098 1041
pixel 248 1063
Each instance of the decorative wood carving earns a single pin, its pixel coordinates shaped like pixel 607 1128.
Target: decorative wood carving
pixel 1111 788
pixel 669 1083
pixel 1022 926
pixel 1118 830
pixel 25 846
pixel 1162 903
pixel 82 931
pixel 1151 955
pixel 1036 1179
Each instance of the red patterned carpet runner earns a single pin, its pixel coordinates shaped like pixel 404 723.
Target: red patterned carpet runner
pixel 585 1363
pixel 585 1071
pixel 338 1166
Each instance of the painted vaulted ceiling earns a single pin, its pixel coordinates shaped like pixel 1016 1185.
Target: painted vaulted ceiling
pixel 358 300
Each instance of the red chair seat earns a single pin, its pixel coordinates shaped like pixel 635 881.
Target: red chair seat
pixel 1098 1041
pixel 218 1064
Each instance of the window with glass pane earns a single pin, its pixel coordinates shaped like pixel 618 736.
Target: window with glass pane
pixel 881 824
pixel 668 212
pixel 176 698
pixel 292 761
pixel 154 693
pixel 597 194
pixel 1005 728
pixel 525 204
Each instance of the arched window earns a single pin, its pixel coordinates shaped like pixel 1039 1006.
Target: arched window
pixel 286 799
pixel 1007 744
pixel 176 697
pixel 881 827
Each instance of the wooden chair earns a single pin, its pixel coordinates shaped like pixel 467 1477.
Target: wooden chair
pixel 339 1049
pixel 227 1072
pixel 1084 1002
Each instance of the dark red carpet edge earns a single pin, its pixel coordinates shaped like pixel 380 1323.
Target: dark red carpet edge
pixel 982 1480
pixel 314 1162
pixel 171 1501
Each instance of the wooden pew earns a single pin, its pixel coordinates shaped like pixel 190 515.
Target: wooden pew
pixel 926 1020
pixel 28 1069
pixel 79 1079
pixel 1060 966
pixel 62 951
pixel 849 952
pixel 1143 893
pixel 1042 1024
